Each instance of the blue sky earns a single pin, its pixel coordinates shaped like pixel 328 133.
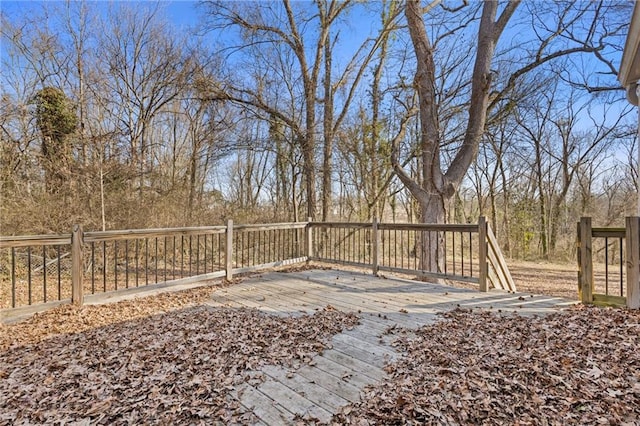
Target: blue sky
pixel 183 12
pixel 179 12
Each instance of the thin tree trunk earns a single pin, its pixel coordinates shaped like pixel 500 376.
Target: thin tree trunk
pixel 328 133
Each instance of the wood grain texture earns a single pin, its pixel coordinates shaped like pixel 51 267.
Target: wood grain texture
pixel 633 262
pixel 355 358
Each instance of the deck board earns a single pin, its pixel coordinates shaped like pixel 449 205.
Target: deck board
pixel 355 358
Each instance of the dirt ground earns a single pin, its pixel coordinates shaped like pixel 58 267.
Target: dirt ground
pixel 545 278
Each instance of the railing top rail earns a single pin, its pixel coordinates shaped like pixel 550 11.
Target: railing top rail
pixel 454 227
pixel 608 232
pixel 97 236
pixel 34 240
pixel 270 226
pixel 401 226
pixel 341 224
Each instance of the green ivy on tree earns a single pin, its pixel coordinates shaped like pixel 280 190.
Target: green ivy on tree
pixel 56 120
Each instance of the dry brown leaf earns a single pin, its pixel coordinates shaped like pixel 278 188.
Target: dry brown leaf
pixel 575 367
pixel 171 368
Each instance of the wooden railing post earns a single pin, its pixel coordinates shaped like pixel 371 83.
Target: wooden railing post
pixel 633 262
pixel 375 237
pixel 585 263
pixel 229 250
pixel 309 239
pixel 483 253
pixel 77 267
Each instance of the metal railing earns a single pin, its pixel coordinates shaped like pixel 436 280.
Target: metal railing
pixel 455 252
pixel 436 251
pixel 426 250
pixel 115 260
pixel 41 269
pixel 35 269
pixel 45 269
pixel 266 245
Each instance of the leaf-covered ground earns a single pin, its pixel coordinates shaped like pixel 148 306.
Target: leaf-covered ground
pixel 169 359
pixel 70 319
pixel 127 367
pixel 576 367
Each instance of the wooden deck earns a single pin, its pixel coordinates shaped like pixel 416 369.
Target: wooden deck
pixel 357 357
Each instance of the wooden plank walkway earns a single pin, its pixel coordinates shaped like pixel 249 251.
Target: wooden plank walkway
pixel 356 357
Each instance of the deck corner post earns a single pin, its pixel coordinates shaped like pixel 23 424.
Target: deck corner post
pixel 376 247
pixel 77 269
pixel 585 262
pixel 633 261
pixel 309 239
pixel 229 251
pixel 483 253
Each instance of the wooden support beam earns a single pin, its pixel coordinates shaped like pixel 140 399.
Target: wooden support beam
pixel 309 239
pixel 229 251
pixel 609 300
pixel 77 269
pixel 585 262
pixel 633 262
pixel 375 237
pixel 482 253
pixel 499 263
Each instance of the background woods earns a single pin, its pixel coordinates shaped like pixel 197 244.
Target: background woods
pixel 116 117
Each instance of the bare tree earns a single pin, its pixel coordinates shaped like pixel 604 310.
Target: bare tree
pixel 146 70
pixel 261 25
pixel 437 182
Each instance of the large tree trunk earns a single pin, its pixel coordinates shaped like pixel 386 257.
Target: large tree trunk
pixel 432 255
pixel 327 180
pixel 434 187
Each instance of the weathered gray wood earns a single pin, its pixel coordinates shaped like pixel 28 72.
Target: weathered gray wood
pixel 372 348
pixel 151 289
pixel 310 385
pixel 77 268
pixel 341 262
pixel 499 262
pixel 493 277
pixel 355 358
pixel 262 406
pixel 34 240
pixel 336 363
pixel 8 316
pixel 337 379
pixel 128 234
pixel 387 312
pixel 394 294
pixel 400 226
pixel 263 266
pixel 585 264
pixel 497 271
pixel 482 254
pixel 228 250
pixel 375 239
pixel 449 227
pixel 608 232
pixel 633 262
pixel 271 226
pixel 317 297
pixel 293 402
pixel 335 225
pixel 609 300
pixel 374 264
pixel 309 239
pixel 433 275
